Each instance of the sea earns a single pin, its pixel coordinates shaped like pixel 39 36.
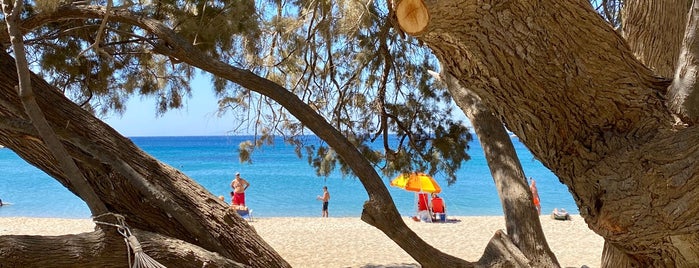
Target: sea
pixel 281 184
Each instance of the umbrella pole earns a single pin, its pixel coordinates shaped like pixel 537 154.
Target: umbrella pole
pixel 417 209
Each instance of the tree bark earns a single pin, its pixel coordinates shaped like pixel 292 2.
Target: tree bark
pixel 103 249
pixel 654 32
pixel 521 217
pixel 576 96
pixel 683 95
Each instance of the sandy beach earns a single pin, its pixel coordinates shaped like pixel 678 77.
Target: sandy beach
pixel 349 242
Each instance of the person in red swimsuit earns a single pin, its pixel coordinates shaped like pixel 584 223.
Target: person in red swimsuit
pixel 239 186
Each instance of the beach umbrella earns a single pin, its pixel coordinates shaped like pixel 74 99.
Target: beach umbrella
pixel 416 182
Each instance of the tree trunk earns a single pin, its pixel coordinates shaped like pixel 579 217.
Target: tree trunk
pixel 521 217
pixel 575 95
pixel 110 163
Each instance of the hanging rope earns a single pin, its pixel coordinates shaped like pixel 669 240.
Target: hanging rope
pixel 141 259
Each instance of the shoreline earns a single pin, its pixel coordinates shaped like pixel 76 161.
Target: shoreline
pixel 350 242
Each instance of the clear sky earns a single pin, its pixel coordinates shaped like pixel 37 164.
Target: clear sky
pixel 197 118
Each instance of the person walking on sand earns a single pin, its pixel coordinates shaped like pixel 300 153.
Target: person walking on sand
pixel 535 194
pixel 325 198
pixel 239 186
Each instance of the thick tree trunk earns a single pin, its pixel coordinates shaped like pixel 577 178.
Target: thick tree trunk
pixel 570 88
pixel 110 163
pixel 521 216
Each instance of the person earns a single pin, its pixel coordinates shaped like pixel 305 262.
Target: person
pixel 535 194
pixel 325 198
pixel 439 209
pixel 423 211
pixel 560 214
pixel 0 202
pixel 239 186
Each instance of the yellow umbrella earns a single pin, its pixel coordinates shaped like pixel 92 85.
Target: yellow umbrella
pixel 416 182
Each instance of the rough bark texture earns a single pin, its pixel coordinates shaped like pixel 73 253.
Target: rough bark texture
pixel 683 95
pixel 521 216
pixel 103 249
pixel 654 31
pixel 102 154
pixel 502 252
pixel 576 96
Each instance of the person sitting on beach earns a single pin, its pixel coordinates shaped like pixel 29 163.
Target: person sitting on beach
pixel 439 209
pixel 239 186
pixel 423 210
pixel 560 214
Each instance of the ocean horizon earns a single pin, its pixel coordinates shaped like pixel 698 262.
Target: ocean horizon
pixel 282 185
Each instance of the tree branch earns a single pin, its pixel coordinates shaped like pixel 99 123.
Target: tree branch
pixel 683 94
pixel 102 247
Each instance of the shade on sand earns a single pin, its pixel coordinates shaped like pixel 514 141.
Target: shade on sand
pixel 416 182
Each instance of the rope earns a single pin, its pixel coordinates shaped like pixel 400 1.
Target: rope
pixel 141 259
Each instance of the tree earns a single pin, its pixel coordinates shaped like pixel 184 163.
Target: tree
pixel 151 34
pixel 573 91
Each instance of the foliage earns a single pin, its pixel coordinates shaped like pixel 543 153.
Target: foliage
pixel 345 61
pixel 340 57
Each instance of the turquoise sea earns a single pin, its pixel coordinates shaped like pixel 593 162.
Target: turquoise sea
pixel 282 185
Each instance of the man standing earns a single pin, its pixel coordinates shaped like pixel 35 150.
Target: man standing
pixel 535 194
pixel 325 198
pixel 239 186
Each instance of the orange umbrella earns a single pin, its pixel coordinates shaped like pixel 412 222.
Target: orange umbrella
pixel 416 182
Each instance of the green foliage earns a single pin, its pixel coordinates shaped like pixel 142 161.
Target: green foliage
pixel 344 60
pixel 340 57
pixel 104 77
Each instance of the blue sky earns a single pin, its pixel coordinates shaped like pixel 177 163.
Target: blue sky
pixel 197 118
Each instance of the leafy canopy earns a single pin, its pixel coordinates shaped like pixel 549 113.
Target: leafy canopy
pixel 342 58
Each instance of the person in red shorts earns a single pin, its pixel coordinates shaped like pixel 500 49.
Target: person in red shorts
pixel 239 186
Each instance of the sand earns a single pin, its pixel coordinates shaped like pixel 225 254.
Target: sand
pixel 349 242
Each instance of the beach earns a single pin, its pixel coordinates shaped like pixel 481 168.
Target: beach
pixel 349 242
